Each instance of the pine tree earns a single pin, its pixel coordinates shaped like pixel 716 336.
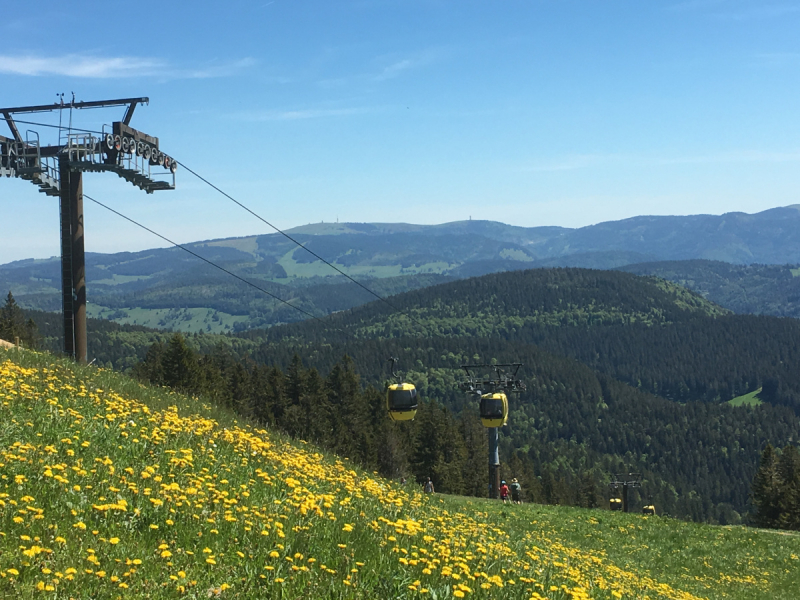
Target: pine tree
pixel 352 430
pixel 181 369
pixel 766 490
pixel 475 472
pixel 13 324
pixel 789 502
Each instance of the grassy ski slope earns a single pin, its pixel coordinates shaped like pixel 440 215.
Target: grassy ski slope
pixel 111 489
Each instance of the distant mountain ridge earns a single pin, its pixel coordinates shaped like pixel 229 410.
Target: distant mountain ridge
pixel 768 237
pixel 168 288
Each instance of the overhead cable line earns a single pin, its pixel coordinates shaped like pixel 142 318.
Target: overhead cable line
pixel 58 127
pixel 290 238
pixel 213 264
pixel 257 216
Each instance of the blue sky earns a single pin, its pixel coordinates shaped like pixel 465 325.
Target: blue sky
pixel 424 111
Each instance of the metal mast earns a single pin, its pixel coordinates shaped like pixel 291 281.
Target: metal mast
pixel 58 171
pixel 478 386
pixel 626 481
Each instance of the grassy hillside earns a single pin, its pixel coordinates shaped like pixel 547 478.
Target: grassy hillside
pixel 113 489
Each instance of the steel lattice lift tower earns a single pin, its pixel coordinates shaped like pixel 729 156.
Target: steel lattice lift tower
pixel 502 382
pixel 58 171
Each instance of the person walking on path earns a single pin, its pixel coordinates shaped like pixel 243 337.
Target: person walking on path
pixel 503 492
pixel 429 486
pixel 516 488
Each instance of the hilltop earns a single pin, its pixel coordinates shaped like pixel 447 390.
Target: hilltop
pixel 111 487
pixel 167 288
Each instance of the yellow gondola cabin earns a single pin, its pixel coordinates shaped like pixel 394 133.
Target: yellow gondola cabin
pixel 494 409
pixel 401 401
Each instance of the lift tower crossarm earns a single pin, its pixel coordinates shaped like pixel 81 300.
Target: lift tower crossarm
pixel 505 381
pixel 131 103
pixel 93 104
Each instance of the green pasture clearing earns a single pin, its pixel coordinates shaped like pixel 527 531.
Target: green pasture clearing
pixel 750 399
pixel 188 320
pixel 117 279
pixel 246 244
pixel 516 254
pixel 297 270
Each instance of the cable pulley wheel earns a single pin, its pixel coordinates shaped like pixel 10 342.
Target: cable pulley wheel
pixel 110 142
pixel 173 166
pixel 118 143
pixel 139 148
pixel 126 145
pixel 147 152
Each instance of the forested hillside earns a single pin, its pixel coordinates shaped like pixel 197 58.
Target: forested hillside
pixel 746 289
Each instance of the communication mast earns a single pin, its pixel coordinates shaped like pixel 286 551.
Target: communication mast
pixel 57 170
pixel 493 389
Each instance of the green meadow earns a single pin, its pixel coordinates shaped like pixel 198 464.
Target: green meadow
pixel 110 489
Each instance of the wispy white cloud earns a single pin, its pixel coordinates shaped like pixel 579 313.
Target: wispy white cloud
pixel 395 69
pixel 99 67
pixel 778 59
pixel 392 66
pixel 738 10
pixel 299 114
pixel 572 162
pixel 761 11
pixel 689 5
pixel 78 66
pixel 588 161
pixel 737 156
pixel 217 69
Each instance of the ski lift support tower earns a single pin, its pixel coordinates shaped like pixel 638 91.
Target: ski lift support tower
pixel 626 481
pixel 57 170
pixel 504 380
